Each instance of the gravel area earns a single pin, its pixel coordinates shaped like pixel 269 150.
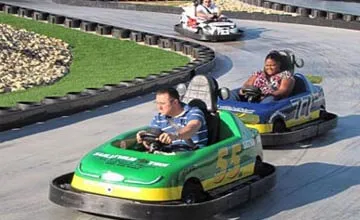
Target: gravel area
pixel 28 59
pixel 235 5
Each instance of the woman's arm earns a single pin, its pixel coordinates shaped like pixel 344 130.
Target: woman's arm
pixel 248 83
pixel 286 87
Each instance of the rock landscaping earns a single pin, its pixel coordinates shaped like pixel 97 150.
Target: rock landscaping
pixel 28 59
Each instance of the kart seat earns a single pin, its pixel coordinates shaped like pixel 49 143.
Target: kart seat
pixel 299 86
pixel 201 92
pixel 287 61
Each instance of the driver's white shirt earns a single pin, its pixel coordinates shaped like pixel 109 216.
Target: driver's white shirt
pixel 212 9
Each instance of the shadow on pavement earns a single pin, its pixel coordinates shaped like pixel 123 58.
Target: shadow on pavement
pixel 347 128
pixel 298 186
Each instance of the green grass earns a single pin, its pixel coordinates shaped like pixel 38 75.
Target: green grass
pixel 96 60
pixel 314 79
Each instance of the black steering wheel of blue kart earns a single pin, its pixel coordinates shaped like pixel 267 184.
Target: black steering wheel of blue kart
pixel 252 93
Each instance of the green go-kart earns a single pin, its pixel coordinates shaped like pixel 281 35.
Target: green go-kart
pixel 121 179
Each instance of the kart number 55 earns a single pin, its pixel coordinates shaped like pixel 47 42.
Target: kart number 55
pixel 229 167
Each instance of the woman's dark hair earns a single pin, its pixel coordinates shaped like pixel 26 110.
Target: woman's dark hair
pixel 277 57
pixel 173 93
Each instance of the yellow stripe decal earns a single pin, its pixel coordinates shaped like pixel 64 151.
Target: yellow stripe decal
pixel 126 192
pixel 244 172
pixel 262 128
pixel 267 128
pixel 149 194
pixel 293 122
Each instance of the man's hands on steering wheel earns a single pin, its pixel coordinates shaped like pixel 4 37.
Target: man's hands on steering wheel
pixel 154 139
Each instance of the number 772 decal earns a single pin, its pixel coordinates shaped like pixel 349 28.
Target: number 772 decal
pixel 302 106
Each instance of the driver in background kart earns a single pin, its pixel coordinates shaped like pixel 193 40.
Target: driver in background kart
pixel 208 10
pixel 181 124
pixel 274 81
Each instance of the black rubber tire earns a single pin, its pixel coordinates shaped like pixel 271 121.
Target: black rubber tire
pixel 279 126
pixel 193 192
pixel 323 114
pixel 259 168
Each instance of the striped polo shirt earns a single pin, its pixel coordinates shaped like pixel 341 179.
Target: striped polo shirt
pixel 200 138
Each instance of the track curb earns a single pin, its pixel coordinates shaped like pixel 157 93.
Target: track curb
pixel 307 16
pixel 25 113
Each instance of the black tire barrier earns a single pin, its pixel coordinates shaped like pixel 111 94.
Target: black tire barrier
pixel 177 45
pixel 187 49
pixel 318 14
pixel 148 84
pixel 120 33
pixel 349 18
pixel 110 87
pixel 25 113
pixel 199 51
pixel 136 36
pixel 347 21
pixel 56 19
pixel 267 4
pixel 72 23
pixel 305 12
pixel 88 26
pixel 333 16
pixel 9 9
pixel 151 39
pixel 258 2
pixel 277 6
pixel 24 12
pixel 313 13
pixel 40 16
pixel 103 29
pixel 290 9
pixel 165 42
pixel 122 5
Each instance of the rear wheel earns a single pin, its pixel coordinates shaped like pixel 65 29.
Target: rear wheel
pixel 279 126
pixel 193 192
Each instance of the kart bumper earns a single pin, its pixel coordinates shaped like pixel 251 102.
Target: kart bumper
pixel 204 37
pixel 302 132
pixel 62 194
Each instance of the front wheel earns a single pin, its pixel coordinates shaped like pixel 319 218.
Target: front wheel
pixel 323 114
pixel 193 193
pixel 259 168
pixel 279 126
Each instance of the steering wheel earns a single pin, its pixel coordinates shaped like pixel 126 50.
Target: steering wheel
pixel 150 136
pixel 251 93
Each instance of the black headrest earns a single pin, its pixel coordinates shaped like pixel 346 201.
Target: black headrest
pixel 202 92
pixel 289 61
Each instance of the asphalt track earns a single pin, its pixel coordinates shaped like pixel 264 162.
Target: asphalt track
pixel 317 179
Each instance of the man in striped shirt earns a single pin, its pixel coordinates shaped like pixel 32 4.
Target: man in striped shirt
pixel 181 124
